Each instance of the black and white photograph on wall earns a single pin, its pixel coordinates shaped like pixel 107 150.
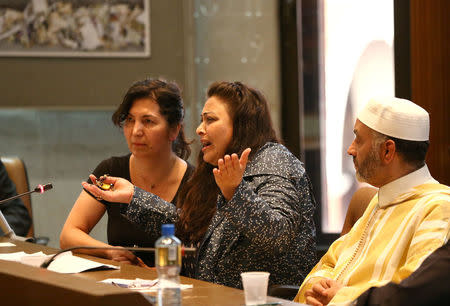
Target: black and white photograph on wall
pixel 75 28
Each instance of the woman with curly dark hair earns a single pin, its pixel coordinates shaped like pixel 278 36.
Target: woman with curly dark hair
pixel 151 117
pixel 249 204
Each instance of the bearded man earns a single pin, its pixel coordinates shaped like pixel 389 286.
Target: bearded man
pixel 405 221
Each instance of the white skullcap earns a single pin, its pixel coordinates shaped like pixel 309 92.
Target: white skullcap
pixel 397 118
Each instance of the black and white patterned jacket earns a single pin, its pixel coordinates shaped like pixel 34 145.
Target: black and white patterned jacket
pixel 266 226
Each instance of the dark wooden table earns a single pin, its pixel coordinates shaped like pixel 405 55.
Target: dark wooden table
pixel 21 284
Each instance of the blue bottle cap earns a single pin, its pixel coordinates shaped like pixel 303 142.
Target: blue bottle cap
pixel 168 229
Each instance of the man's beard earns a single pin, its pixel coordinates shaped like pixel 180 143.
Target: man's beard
pixel 367 169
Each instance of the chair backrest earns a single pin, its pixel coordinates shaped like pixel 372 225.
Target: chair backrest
pixel 17 172
pixel 358 204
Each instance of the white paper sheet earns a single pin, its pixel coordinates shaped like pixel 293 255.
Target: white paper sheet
pixel 12 256
pixel 138 284
pixel 67 263
pixel 64 263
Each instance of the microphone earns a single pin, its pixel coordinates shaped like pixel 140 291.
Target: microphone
pixel 4 225
pixel 47 263
pixel 39 188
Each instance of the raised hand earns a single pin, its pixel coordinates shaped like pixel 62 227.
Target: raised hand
pixel 229 173
pixel 121 192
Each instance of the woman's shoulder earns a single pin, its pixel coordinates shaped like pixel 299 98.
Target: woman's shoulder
pixel 114 166
pixel 188 173
pixel 115 160
pixel 275 158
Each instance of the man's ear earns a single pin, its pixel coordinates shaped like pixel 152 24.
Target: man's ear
pixel 388 151
pixel 174 131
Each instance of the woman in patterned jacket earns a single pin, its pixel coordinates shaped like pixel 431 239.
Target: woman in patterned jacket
pixel 249 204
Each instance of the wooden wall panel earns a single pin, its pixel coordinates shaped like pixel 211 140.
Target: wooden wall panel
pixel 430 77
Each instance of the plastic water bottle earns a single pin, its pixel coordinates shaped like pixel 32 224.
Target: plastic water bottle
pixel 168 265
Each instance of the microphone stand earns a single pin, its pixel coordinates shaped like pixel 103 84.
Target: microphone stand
pixel 9 233
pixel 4 225
pixel 39 188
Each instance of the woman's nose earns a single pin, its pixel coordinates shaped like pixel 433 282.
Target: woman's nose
pixel 137 128
pixel 200 129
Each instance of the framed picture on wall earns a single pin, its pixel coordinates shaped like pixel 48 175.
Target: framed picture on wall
pixel 75 28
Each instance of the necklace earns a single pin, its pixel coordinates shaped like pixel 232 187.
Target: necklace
pixel 165 179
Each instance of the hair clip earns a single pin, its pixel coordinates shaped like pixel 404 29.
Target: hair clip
pixel 237 86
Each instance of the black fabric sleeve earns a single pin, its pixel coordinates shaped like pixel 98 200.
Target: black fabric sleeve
pixel 103 168
pixel 428 285
pixel 14 211
pixel 270 216
pixel 114 166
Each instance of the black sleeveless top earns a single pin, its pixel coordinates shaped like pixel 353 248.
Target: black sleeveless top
pixel 121 231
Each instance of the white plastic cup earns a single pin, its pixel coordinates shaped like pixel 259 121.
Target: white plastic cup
pixel 255 287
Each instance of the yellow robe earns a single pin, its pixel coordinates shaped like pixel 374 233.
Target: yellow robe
pixel 386 244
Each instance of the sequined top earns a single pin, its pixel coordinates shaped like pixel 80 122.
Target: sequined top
pixel 266 226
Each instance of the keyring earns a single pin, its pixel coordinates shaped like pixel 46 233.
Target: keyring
pixel 104 186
